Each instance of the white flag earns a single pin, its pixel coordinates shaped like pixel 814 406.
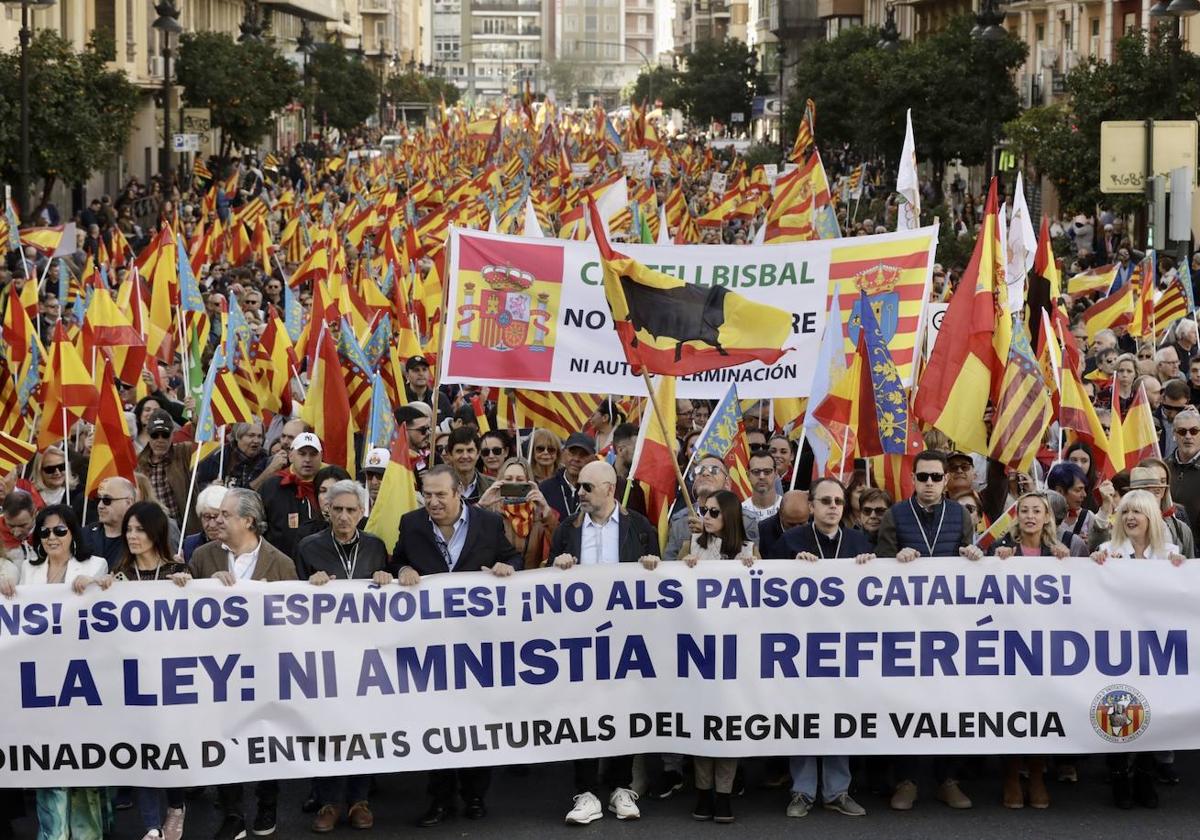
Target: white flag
pixel 908 215
pixel 532 226
pixel 664 231
pixel 1022 247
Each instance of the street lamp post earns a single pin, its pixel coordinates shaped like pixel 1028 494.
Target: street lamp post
pixel 24 174
pixel 645 58
pixel 306 45
pixel 167 23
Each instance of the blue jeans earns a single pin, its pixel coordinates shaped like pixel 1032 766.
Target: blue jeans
pixel 75 813
pixel 835 776
pixel 149 803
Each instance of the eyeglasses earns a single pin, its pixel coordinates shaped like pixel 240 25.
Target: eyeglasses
pixel 108 500
pixel 54 468
pixel 710 512
pixel 544 448
pixel 758 448
pixel 1187 431
pixel 961 467
pixel 834 501
pixel 421 429
pixel 586 486
pixel 57 530
pixel 492 450
pixel 928 477
pixel 711 469
pixel 762 471
pixel 871 510
pixel 160 436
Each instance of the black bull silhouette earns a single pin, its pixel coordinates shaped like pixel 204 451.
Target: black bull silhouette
pixel 682 313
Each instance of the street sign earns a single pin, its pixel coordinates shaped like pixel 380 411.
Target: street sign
pixel 1123 152
pixel 196 121
pixel 185 142
pixel 738 117
pixel 773 106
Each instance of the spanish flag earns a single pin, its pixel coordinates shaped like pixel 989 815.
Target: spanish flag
pixel 670 327
pixel 1077 416
pixel 959 378
pixel 1139 440
pixel 69 395
pixel 1114 311
pixel 654 456
pixel 112 451
pixel 397 494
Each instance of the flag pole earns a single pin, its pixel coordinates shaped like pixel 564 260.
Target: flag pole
pixel 66 456
pixel 687 497
pixel 221 463
pixel 796 462
pixel 191 489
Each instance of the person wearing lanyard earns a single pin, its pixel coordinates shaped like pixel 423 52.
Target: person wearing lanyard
pixel 825 537
pixel 449 535
pixel 927 525
pixel 241 553
pixel 342 552
pixel 560 488
pixel 603 533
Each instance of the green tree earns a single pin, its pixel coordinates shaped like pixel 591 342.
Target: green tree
pixel 345 90
pixel 1150 77
pixel 721 79
pixel 242 85
pixel 959 88
pixel 81 112
pixel 417 87
pixel 659 84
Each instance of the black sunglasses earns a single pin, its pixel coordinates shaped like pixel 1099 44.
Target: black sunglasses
pixel 710 512
pixel 108 500
pixel 586 487
pixel 926 476
pixel 54 468
pixel 492 450
pixel 160 435
pixel 57 530
pixel 871 510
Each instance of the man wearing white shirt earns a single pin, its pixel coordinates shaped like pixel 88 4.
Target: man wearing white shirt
pixel 764 497
pixel 601 532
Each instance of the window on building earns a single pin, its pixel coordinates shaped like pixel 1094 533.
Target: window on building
pixel 571 23
pixel 610 23
pixel 591 23
pixel 1039 32
pixel 1095 27
pixel 1066 29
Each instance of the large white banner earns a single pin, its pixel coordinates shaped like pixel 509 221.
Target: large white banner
pixel 530 312
pixel 156 685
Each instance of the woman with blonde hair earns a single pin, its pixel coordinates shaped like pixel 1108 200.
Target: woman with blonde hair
pixel 1154 477
pixel 1033 532
pixel 545 454
pixel 529 521
pixel 1138 532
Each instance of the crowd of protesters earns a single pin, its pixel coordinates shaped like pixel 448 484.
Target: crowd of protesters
pixel 267 508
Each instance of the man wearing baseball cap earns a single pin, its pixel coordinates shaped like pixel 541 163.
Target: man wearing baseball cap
pixel 418 389
pixel 560 489
pixel 373 467
pixel 289 497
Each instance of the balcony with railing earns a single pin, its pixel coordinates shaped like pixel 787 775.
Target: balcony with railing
pixel 482 32
pixel 506 5
pixel 374 7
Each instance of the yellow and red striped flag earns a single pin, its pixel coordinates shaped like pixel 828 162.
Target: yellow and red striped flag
pixel 69 394
pixel 1139 439
pixel 1171 305
pixel 397 493
pixel 1078 418
pixel 1024 411
pixel 112 450
pixel 14 453
pixel 1111 312
pixel 654 456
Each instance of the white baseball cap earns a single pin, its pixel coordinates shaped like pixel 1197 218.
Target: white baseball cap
pixel 377 459
pixel 306 439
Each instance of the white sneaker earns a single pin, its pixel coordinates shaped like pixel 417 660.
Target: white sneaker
pixel 623 804
pixel 153 834
pixel 173 825
pixel 587 809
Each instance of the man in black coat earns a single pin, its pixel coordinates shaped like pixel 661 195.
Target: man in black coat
pixel 793 511
pixel 603 533
pixel 449 535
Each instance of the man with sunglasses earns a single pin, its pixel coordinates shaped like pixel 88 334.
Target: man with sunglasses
pixel 927 525
pixel 168 465
pixel 603 533
pixel 709 473
pixel 1185 462
pixel 560 489
pixel 104 537
pixel 418 425
pixel 764 495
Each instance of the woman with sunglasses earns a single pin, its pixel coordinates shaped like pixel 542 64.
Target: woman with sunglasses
pixel 60 558
pixel 50 475
pixel 825 537
pixel 148 557
pixel 972 504
pixel 494 450
pixel 722 537
pixel 546 455
pixel 873 503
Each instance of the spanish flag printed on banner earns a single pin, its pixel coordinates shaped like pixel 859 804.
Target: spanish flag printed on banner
pixel 673 328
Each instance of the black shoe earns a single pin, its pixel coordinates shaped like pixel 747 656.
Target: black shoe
pixel 723 808
pixel 232 827
pixel 1144 793
pixel 475 809
pixel 1166 774
pixel 436 815
pixel 704 805
pixel 739 782
pixel 668 784
pixel 264 821
pixel 310 805
pixel 1122 791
